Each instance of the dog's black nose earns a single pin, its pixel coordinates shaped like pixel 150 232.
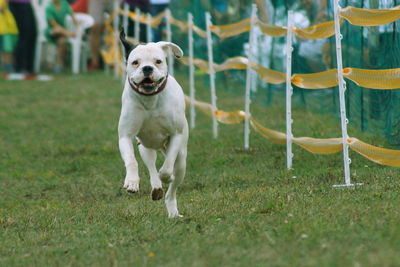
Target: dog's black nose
pixel 147 70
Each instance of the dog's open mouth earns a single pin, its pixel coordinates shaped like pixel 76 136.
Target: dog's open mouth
pixel 148 85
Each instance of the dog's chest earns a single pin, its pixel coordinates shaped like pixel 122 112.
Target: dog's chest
pixel 157 127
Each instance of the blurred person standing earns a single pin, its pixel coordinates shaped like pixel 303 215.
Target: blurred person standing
pixel 156 7
pixel 8 36
pixel 96 10
pixel 56 32
pixel 24 52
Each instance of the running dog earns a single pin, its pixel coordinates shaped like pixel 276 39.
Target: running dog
pixel 153 113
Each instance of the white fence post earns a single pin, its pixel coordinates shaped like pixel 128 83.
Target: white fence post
pixel 116 38
pixel 212 75
pixel 289 89
pixel 169 39
pixel 249 77
pixel 342 89
pixel 148 28
pixel 125 20
pixel 191 72
pixel 137 25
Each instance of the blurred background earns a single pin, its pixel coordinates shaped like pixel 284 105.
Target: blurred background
pixel 66 37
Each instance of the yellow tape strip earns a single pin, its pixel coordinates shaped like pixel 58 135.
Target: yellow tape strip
pixel 200 63
pixel 133 16
pixel 240 63
pixel 370 17
pixel 378 155
pixel 319 31
pixel 233 63
pixel 323 30
pixel 269 75
pixel 319 80
pixel 229 30
pixel 154 22
pixel 319 146
pixel 375 79
pixel 232 117
pixel 313 145
pixel 183 26
pixel 199 31
pixel 271 30
pixel 273 136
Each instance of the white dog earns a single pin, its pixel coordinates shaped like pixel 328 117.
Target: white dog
pixel 153 111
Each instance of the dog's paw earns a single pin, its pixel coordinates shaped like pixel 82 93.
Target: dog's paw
pixel 172 207
pixel 132 186
pixel 165 177
pixel 174 214
pixel 157 193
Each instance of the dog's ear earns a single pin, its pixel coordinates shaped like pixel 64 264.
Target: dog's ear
pixel 128 46
pixel 175 48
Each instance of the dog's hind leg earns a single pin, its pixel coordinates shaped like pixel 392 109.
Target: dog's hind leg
pixel 179 174
pixel 149 157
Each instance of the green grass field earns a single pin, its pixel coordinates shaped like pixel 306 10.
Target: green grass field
pixel 61 201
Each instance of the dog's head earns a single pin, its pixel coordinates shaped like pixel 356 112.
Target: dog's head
pixel 146 64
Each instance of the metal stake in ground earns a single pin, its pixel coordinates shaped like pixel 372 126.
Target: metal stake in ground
pixel 137 25
pixel 211 72
pixel 248 77
pixel 169 39
pixel 125 19
pixel 148 28
pixel 191 72
pixel 289 90
pixel 342 89
pixel 116 37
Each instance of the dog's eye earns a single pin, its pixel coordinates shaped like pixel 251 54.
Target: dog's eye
pixel 158 61
pixel 135 63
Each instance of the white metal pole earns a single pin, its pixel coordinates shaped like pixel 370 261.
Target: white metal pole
pixel 342 89
pixel 254 79
pixel 212 74
pixel 115 28
pixel 148 28
pixel 254 76
pixel 191 72
pixel 249 78
pixel 137 25
pixel 289 89
pixel 169 39
pixel 125 21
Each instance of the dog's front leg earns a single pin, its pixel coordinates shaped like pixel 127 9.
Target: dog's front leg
pixel 174 146
pixel 132 179
pixel 128 129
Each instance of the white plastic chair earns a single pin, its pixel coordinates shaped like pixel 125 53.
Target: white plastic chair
pixel 79 46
